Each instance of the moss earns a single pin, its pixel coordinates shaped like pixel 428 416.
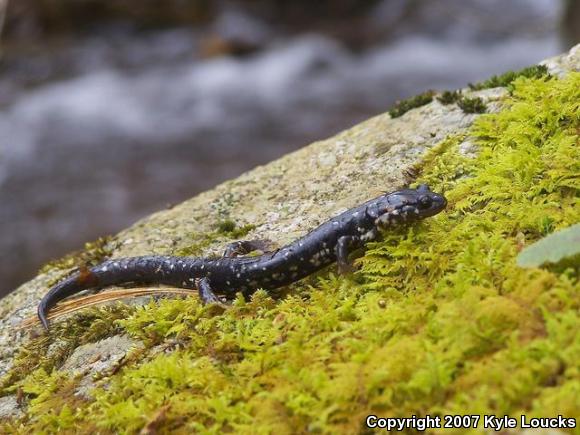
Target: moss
pixel 472 105
pixel 449 97
pixel 404 106
pixel 224 230
pixel 51 402
pixel 468 105
pixel 49 350
pixel 92 254
pixel 230 229
pixel 226 226
pixel 196 247
pixel 507 78
pixel 439 319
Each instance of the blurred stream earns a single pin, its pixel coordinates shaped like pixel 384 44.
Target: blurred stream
pixel 105 129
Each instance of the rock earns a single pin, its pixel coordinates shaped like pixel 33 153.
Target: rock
pixel 9 407
pixel 284 200
pixel 468 148
pixel 289 196
pixel 98 358
pixel 560 65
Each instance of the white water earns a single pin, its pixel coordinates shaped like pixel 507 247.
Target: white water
pixel 123 136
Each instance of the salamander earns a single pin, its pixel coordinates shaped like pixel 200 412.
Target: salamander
pixel 330 242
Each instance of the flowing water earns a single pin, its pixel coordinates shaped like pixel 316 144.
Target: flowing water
pixel 100 132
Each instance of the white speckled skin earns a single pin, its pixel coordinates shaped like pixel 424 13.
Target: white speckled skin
pixel 330 242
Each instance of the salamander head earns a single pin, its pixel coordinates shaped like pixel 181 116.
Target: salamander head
pixel 409 205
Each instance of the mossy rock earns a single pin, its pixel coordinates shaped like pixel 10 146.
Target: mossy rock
pixel 438 320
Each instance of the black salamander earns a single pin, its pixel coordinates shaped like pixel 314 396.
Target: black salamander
pixel 332 241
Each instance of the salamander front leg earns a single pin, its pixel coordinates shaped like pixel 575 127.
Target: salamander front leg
pixel 206 293
pixel 244 247
pixel 341 250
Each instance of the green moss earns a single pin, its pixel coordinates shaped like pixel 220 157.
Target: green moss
pixel 49 350
pixel 51 402
pixel 92 254
pixel 468 105
pixel 507 78
pixel 404 106
pixel 197 246
pixel 439 319
pixel 226 226
pixel 449 97
pixel 224 230
pixel 472 105
pixel 230 229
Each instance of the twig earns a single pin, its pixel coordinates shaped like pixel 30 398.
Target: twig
pixel 71 306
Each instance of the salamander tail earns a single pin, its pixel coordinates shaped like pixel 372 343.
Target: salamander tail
pixel 176 271
pixel 68 287
pixel 42 311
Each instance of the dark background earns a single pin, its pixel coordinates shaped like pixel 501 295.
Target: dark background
pixel 110 110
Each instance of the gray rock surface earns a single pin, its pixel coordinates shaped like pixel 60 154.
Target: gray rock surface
pixel 283 199
pixel 9 407
pixel 560 65
pixel 98 358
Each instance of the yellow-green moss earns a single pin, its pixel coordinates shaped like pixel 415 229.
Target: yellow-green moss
pixel 439 319
pixel 49 350
pixel 51 403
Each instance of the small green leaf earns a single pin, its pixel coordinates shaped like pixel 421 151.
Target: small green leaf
pixel 551 249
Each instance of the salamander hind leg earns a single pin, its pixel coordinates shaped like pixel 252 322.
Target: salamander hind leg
pixel 206 293
pixel 244 247
pixel 342 249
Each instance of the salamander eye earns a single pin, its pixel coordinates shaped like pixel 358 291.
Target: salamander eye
pixel 424 201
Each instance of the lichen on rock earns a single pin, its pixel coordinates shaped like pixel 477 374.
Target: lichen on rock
pixel 439 318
